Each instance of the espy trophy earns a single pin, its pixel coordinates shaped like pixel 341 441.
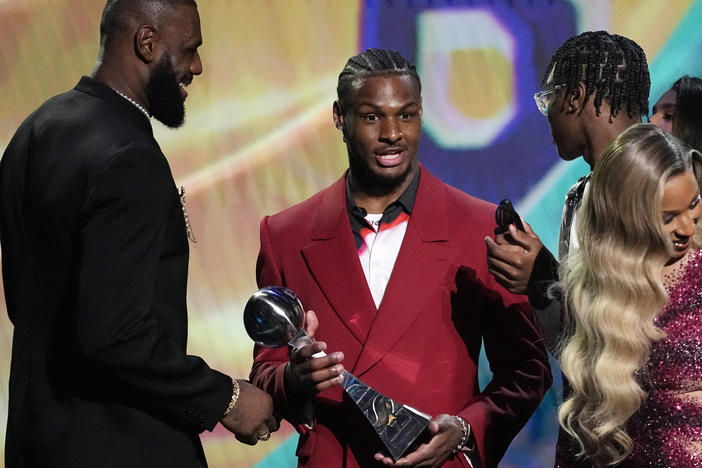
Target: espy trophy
pixel 273 318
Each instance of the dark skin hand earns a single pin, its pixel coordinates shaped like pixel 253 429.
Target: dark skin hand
pixel 309 374
pixel 252 417
pixel 511 257
pixel 445 434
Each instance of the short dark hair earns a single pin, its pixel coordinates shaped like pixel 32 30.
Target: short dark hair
pixel 687 121
pixel 117 13
pixel 372 62
pixel 612 67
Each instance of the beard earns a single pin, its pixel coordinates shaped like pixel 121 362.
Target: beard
pixel 163 93
pixel 373 183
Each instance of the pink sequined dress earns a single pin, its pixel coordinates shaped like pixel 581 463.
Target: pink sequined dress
pixel 667 430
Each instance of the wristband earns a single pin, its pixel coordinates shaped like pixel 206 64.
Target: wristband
pixel 462 446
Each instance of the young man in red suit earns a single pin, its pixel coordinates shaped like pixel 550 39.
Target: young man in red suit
pixel 392 262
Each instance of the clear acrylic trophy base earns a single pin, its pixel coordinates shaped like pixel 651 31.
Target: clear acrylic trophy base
pixel 398 426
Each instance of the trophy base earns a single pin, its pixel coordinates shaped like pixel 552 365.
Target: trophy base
pixel 398 426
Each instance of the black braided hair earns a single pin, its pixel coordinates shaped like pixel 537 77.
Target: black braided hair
pixel 372 62
pixel 687 122
pixel 612 67
pixel 116 15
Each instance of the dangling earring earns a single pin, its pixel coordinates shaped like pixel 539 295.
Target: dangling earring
pixel 341 128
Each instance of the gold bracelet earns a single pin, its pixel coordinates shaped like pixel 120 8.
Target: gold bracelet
pixel 235 397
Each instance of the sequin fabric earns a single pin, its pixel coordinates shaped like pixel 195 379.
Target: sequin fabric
pixel 667 429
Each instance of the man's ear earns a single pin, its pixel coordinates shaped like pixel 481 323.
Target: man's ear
pixel 145 43
pixel 576 98
pixel 339 120
pixel 338 113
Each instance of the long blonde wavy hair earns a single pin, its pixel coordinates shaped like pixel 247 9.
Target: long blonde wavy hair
pixel 614 290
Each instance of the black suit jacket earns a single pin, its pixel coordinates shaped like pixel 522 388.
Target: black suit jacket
pixel 95 261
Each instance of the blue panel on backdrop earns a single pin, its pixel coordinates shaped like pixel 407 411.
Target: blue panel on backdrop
pixel 480 63
pixel 680 54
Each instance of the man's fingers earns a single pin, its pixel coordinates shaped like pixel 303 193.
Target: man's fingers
pixel 426 452
pixel 318 374
pixel 324 378
pixel 500 275
pixel 320 387
pixel 527 238
pixel 498 251
pixel 503 256
pixel 491 244
pixel 423 453
pixel 251 440
pixel 433 427
pixel 383 459
pixel 262 432
pixel 305 353
pixel 500 239
pixel 311 323
pixel 510 284
pixel 315 364
pixel 513 274
pixel 507 269
pixel 273 424
pixel 520 238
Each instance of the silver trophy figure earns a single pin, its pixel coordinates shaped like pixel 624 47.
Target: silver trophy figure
pixel 273 318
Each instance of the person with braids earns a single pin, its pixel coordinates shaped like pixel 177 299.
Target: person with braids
pixel 596 86
pixel 632 344
pixel 679 110
pixel 95 265
pixel 391 261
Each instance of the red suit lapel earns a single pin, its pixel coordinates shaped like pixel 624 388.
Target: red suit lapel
pixel 421 265
pixel 333 261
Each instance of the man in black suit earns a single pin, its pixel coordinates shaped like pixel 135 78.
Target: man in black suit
pixel 95 259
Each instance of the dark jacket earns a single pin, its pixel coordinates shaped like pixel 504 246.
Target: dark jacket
pixel 95 262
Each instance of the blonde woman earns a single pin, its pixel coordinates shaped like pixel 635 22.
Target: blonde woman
pixel 632 345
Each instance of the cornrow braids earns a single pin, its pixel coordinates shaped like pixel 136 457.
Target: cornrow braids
pixel 372 62
pixel 612 67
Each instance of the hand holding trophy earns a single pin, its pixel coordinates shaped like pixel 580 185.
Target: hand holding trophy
pixel 273 318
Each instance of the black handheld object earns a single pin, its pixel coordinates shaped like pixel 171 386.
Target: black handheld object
pixel 505 214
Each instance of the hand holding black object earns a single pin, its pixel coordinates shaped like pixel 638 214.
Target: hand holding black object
pixel 511 257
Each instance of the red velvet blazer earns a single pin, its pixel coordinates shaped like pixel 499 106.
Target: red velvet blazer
pixel 421 346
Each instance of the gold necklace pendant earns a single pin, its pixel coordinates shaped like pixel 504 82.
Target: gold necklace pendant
pixel 188 230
